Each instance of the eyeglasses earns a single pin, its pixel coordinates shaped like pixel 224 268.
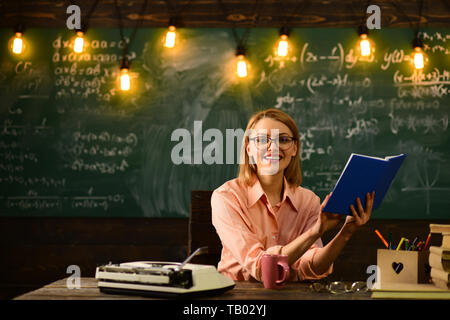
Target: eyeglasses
pixel 339 287
pixel 283 142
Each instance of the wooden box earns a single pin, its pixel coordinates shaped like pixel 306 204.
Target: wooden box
pixel 401 266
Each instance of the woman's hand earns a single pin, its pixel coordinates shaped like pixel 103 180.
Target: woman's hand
pixel 326 220
pixel 360 216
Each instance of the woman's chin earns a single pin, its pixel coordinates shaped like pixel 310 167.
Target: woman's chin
pixel 271 168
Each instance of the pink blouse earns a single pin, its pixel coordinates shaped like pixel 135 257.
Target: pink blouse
pixel 249 227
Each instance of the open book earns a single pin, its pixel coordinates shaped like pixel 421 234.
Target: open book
pixel 363 174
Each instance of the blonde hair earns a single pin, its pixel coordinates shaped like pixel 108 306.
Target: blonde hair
pixel 248 171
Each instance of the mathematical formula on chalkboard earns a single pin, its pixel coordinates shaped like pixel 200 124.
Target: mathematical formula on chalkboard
pixel 72 145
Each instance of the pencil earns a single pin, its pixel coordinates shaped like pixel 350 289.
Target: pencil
pixel 427 242
pixel 400 244
pixel 419 246
pixel 381 237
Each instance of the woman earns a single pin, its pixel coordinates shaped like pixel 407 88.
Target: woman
pixel 265 211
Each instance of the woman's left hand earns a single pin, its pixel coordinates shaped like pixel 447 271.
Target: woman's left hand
pixel 360 215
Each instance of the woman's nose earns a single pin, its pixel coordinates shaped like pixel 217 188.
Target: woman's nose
pixel 272 146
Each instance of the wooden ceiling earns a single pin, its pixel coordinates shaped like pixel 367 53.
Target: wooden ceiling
pixel 226 13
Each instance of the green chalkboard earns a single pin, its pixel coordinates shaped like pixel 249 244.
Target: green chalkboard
pixel 72 145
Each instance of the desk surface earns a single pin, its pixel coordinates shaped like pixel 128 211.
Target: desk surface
pixel 243 291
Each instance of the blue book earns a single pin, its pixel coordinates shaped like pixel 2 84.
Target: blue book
pixel 363 174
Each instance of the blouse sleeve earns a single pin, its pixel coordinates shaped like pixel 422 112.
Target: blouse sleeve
pixel 303 266
pixel 237 235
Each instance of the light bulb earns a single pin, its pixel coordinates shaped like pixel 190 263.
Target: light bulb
pixel 170 37
pixel 79 40
pixel 241 66
pixel 125 83
pixel 418 58
pixel 364 45
pixel 283 46
pixel 17 46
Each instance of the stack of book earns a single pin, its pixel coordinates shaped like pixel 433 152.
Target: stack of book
pixel 440 257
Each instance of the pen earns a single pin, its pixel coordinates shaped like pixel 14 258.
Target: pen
pixel 427 242
pixel 381 237
pixel 406 244
pixel 400 244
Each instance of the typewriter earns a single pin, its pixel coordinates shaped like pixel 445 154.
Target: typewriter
pixel 162 279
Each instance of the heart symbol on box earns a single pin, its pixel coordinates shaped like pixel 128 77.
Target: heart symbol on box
pixel 398 267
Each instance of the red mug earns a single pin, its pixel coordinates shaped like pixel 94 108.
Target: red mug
pixel 275 270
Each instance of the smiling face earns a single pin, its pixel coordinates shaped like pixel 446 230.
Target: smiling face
pixel 271 156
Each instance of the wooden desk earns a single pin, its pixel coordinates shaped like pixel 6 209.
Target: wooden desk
pixel 243 291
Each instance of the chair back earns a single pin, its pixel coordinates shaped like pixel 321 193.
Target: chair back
pixel 201 232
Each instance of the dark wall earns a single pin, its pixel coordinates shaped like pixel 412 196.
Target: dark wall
pixel 37 251
pixel 226 13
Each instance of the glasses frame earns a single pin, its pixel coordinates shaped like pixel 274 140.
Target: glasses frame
pixel 275 140
pixel 355 287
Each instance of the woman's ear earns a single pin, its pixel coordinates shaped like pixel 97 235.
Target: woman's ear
pixel 295 151
pixel 247 149
pixel 251 159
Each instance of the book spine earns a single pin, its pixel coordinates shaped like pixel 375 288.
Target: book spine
pixel 440 283
pixel 440 228
pixel 437 262
pixel 446 241
pixel 443 252
pixel 439 274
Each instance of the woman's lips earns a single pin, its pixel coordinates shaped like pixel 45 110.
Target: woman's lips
pixel 272 158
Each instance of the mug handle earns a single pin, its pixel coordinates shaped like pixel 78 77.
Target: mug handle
pixel 285 268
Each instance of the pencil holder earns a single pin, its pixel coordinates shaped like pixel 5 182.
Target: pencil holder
pixel 402 266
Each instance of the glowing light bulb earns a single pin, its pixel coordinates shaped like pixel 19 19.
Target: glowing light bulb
pixel 170 37
pixel 418 58
pixel 79 41
pixel 17 46
pixel 364 45
pixel 125 82
pixel 283 46
pixel 241 66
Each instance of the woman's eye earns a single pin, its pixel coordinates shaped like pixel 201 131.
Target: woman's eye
pixel 261 139
pixel 284 139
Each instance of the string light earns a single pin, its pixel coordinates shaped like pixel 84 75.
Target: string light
pixel 365 47
pixel 17 42
pixel 170 35
pixel 125 82
pixel 241 67
pixel 283 44
pixel 78 45
pixel 418 56
pixel 79 42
